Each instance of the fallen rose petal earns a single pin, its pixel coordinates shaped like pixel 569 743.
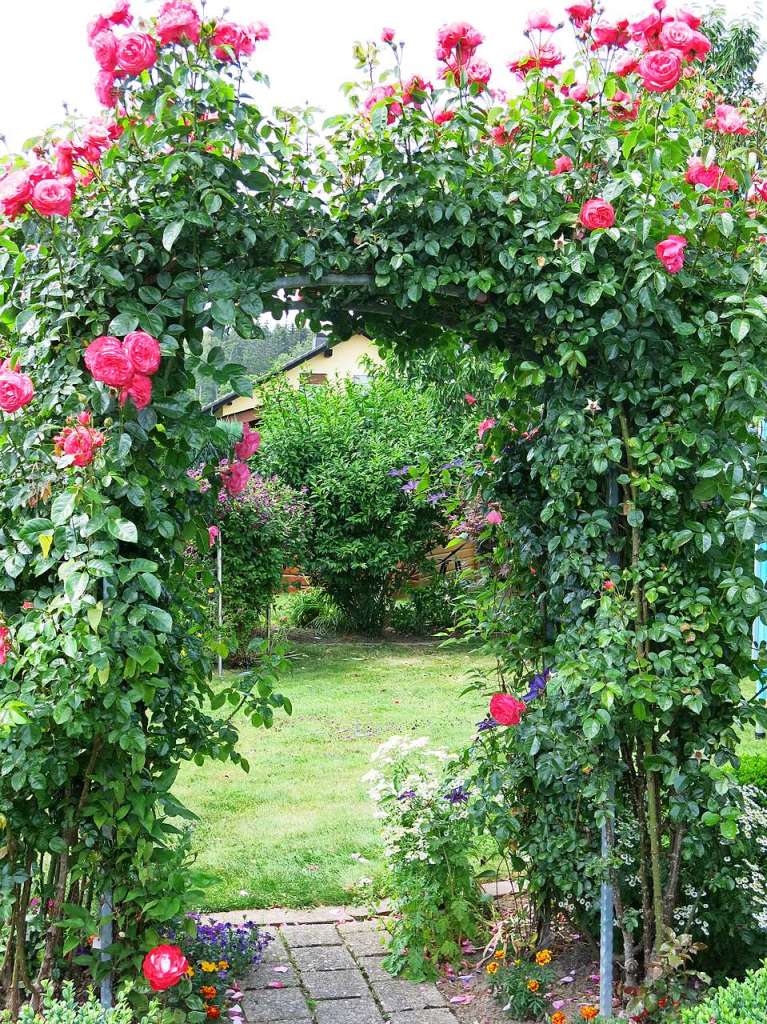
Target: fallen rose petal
pixel 281 969
pixel 275 984
pixel 558 1003
pixel 567 980
pixel 462 1000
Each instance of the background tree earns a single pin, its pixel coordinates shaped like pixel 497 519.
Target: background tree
pixel 346 444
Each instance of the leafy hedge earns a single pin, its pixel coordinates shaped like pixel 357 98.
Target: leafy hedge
pixel 739 1002
pixel 752 770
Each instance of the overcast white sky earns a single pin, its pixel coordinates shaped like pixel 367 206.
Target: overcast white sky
pixel 45 61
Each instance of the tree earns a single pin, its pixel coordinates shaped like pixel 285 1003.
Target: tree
pixel 347 445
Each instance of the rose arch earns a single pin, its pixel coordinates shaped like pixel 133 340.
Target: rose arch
pixel 603 228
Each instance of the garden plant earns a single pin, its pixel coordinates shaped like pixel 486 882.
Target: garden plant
pixel 603 229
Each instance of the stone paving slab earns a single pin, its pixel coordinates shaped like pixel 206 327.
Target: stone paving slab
pixel 371 965
pixel 323 958
pixel 423 1017
pixel 335 984
pixel 265 976
pixel 364 938
pixel 406 995
pixel 310 935
pixel 348 1011
pixel 269 1007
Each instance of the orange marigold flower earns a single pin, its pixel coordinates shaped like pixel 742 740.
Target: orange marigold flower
pixel 492 967
pixel 558 1018
pixel 499 954
pixel 533 985
pixel 543 957
pixel 589 1012
pixel 213 1012
pixel 223 965
pixel 190 972
pixel 208 992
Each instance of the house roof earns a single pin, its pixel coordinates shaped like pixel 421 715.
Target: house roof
pixel 291 365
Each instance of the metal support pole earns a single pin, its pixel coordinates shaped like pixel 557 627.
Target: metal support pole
pixel 220 577
pixel 606 896
pixel 106 936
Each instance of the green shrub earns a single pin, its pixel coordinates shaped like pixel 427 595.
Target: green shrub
pixel 347 444
pixel 313 609
pixel 752 770
pixel 68 1010
pixel 427 609
pixel 739 1002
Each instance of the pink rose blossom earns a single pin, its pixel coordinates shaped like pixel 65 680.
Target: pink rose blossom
pixel 96 26
pixel 5 644
pixel 387 35
pixel 671 253
pixel 503 135
pixel 143 351
pixel 608 34
pixel 580 14
pixel 249 445
pixel 15 192
pixel 384 94
pixel 81 442
pixel 444 116
pixel 16 389
pixel 469 398
pixel 728 120
pixel 507 710
pixel 579 93
pixel 486 425
pixel 235 477
pixel 240 39
pixel 562 165
pixel 108 362
pixel 53 197
pixel 105 89
pixel 178 22
pixel 104 48
pixel 478 72
pixel 687 16
pixel 676 35
pixel 494 517
pixel 136 53
pixel 626 64
pixel 121 14
pixel 712 176
pixel 539 21
pixel 660 71
pixel 139 390
pixel 213 534
pixel 597 213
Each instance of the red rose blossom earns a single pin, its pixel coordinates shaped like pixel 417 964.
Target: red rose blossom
pixel 597 213
pixel 235 477
pixel 104 48
pixel 660 70
pixel 507 710
pixel 562 165
pixel 249 445
pixel 228 36
pixel 671 253
pixel 387 35
pixel 164 967
pixel 444 116
pixel 143 351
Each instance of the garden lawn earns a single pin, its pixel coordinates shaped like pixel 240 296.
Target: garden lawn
pixel 292 831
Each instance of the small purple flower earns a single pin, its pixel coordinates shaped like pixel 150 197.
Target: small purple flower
pixel 538 685
pixel 435 499
pixel 457 795
pixel 407 794
pixel 399 472
pixel 409 487
pixel 487 723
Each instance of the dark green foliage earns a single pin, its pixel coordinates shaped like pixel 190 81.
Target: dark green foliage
pixel 342 443
pixel 737 48
pixel 428 608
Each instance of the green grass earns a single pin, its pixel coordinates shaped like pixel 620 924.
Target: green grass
pixel 285 833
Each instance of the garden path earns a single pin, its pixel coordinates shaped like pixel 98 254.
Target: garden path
pixel 324 967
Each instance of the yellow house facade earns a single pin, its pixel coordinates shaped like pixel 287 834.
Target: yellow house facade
pixel 324 364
